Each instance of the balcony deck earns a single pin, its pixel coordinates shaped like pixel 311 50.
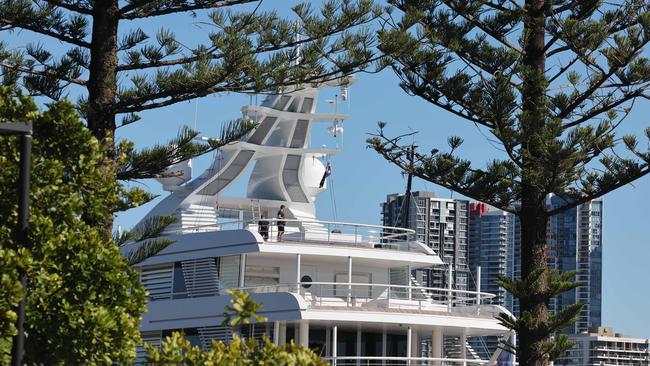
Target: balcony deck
pixel 319 232
pixel 373 297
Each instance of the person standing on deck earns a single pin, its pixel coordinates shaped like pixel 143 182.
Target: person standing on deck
pixel 280 221
pixel 263 227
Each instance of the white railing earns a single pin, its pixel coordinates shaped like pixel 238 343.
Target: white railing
pixel 401 361
pixel 322 232
pixel 372 295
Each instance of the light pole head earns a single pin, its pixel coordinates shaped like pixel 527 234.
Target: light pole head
pixel 13 128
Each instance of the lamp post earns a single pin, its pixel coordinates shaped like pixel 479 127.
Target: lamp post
pixel 25 132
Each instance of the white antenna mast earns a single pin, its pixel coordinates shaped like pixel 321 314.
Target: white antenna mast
pixel 298 46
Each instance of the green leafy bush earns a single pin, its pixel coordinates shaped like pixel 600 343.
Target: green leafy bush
pixel 176 350
pixel 84 301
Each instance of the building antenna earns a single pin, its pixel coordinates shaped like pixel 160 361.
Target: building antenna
pixel 410 155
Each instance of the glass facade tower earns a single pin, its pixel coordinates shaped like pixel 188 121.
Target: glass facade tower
pixel 574 243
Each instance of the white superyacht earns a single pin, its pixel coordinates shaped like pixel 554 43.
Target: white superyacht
pixel 345 290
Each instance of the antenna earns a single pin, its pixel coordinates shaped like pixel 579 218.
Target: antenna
pixel 196 112
pixel 297 48
pixel 336 128
pixel 410 155
pixel 344 92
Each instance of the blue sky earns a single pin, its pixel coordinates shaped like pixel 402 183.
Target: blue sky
pixel 362 179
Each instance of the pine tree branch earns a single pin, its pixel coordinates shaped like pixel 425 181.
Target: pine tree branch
pixel 44 31
pixel 482 26
pixel 558 49
pixel 590 197
pixel 152 162
pixel 563 69
pixel 210 54
pixel 176 95
pixel 583 15
pixel 507 146
pixel 146 238
pixel 453 174
pixel 217 56
pixel 46 73
pixel 498 7
pixel 136 107
pixel 69 6
pixel 134 4
pixel 147 249
pixel 568 46
pixel 589 115
pixel 449 106
pixel 181 94
pixel 585 95
pixel 472 57
pixel 129 11
pixel 616 27
pixel 570 5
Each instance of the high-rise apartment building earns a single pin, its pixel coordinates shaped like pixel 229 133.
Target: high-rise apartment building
pixel 574 243
pixel 494 247
pixel 440 223
pixel 467 236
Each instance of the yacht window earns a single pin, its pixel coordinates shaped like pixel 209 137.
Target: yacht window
pixel 261 276
pixel 306 279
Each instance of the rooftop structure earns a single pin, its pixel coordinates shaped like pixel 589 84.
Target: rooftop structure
pixel 602 346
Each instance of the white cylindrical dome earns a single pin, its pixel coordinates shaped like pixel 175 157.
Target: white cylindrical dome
pixel 312 173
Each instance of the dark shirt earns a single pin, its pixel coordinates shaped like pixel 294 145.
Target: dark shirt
pixel 280 218
pixel 263 225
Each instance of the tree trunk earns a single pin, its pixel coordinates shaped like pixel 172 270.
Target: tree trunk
pixel 102 87
pixel 533 257
pixel 533 211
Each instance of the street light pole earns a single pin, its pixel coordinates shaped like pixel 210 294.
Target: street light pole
pixel 25 132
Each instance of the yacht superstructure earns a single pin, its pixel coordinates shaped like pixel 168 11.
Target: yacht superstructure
pixel 343 289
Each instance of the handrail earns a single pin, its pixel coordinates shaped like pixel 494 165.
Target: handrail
pixel 487 295
pixel 323 231
pixel 404 231
pixel 422 296
pixel 394 295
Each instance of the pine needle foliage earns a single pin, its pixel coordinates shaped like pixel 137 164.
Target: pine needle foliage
pixel 125 70
pixel 161 70
pixel 146 238
pixel 550 81
pixel 532 285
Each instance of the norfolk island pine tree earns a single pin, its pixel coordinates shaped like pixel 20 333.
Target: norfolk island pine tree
pixel 121 70
pixel 551 82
